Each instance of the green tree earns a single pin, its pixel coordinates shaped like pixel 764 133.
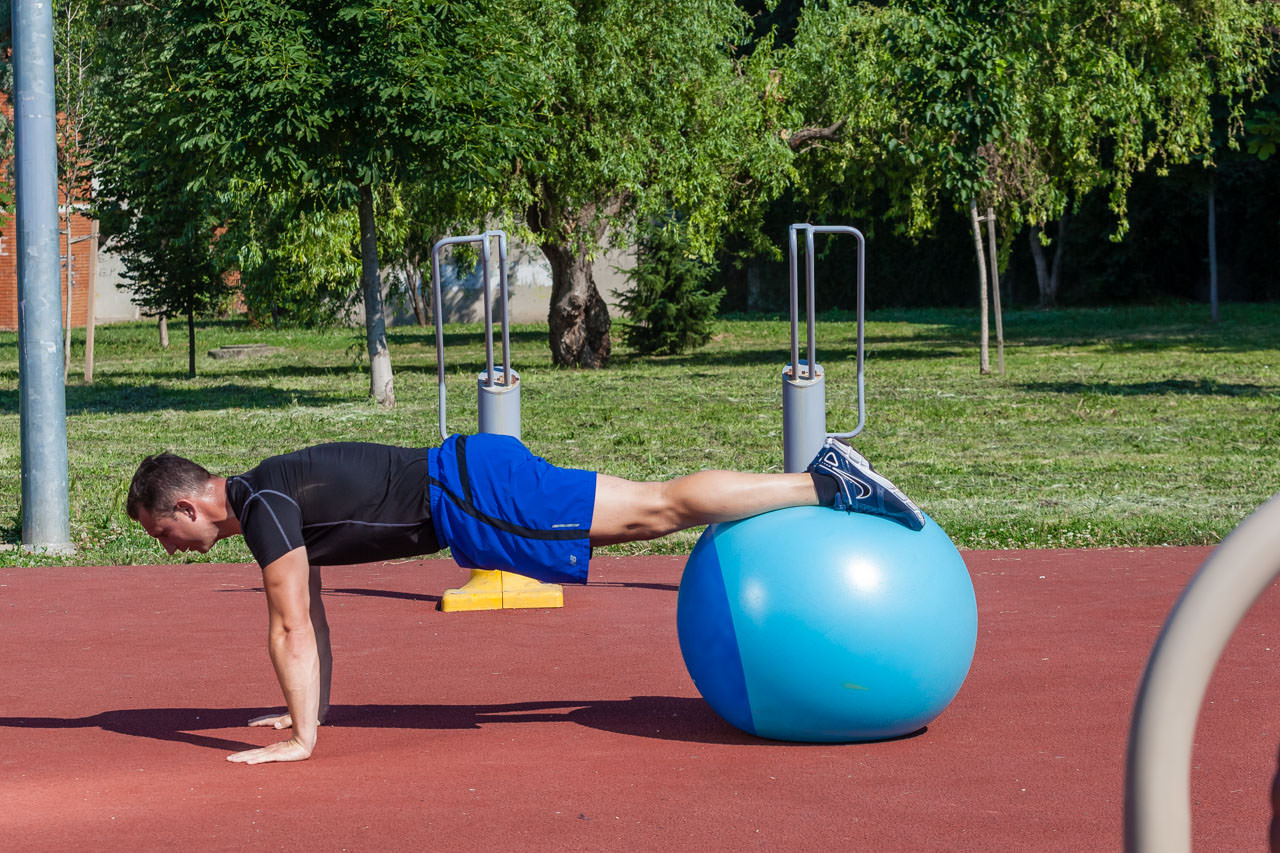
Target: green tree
pixel 920 89
pixel 650 107
pixel 337 98
pixel 296 257
pixel 669 307
pixel 161 218
pixel 1026 109
pixel 167 245
pixel 1142 86
pixel 420 214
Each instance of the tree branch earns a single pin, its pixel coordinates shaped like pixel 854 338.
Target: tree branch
pixel 809 137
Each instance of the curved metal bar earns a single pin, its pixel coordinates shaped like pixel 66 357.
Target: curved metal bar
pixel 862 321
pixel 504 295
pixel 795 304
pixel 811 303
pixel 488 309
pixel 1157 816
pixel 811 311
pixel 437 303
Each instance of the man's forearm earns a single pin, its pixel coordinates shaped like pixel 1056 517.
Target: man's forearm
pixel 296 659
pixel 295 656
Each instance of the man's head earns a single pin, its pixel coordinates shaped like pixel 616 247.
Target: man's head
pixel 171 498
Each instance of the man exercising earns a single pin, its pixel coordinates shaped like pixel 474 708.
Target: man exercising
pixel 486 497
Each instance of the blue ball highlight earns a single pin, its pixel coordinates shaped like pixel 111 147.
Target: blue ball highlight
pixel 812 624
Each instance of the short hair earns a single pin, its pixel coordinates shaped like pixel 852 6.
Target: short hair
pixel 161 481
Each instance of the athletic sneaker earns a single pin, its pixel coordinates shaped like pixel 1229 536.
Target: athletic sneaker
pixel 862 489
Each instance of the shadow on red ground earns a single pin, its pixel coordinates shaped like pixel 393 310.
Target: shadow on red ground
pixel 579 729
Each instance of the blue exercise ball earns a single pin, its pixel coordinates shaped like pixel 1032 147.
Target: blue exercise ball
pixel 813 624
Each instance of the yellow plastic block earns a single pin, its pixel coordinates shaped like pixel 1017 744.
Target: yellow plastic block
pixel 519 591
pixel 491 590
pixel 482 592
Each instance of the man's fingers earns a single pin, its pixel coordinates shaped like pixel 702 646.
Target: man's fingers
pixel 276 721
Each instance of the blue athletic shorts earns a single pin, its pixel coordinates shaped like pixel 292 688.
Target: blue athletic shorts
pixel 497 506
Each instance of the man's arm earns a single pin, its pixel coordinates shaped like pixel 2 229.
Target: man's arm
pixel 292 643
pixel 319 624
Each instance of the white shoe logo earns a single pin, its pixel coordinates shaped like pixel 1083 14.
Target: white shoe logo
pixel 831 463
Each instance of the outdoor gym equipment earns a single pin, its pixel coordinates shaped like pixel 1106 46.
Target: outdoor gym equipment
pixel 498 413
pixel 499 403
pixel 1157 816
pixel 804 394
pixel 816 625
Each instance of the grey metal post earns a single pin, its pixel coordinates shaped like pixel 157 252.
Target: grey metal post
pixel 1157 816
pixel 499 388
pixel 804 405
pixel 42 398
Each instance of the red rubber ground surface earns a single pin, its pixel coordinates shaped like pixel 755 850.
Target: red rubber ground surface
pixel 578 729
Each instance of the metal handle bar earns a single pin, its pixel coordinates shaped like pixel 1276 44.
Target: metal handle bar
pixel 437 302
pixel 811 310
pixel 1157 816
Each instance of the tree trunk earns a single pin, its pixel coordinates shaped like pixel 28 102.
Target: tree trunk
pixel 1055 274
pixel 70 279
pixel 380 378
pixel 417 298
pixel 579 317
pixel 1213 249
pixel 424 293
pixel 995 289
pixel 984 356
pixel 1047 277
pixel 90 309
pixel 163 327
pixel 191 343
pixel 1042 267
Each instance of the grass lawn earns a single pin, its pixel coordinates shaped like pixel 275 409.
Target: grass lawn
pixel 1111 427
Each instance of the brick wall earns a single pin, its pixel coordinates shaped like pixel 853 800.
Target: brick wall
pixel 81 279
pixel 82 270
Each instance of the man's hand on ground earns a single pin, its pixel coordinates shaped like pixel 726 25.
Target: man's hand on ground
pixel 288 750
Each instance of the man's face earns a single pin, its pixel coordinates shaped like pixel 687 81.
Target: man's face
pixel 182 531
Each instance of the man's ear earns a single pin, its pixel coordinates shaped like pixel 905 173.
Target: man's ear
pixel 186 508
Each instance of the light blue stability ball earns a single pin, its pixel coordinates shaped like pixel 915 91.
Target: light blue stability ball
pixel 813 624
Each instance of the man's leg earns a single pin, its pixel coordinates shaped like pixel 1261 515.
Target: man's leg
pixel 839 476
pixel 626 511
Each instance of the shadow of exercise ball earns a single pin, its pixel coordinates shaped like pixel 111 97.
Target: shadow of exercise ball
pixel 818 625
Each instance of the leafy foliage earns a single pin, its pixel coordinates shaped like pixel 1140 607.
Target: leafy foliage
pixel 167 247
pixel 574 119
pixel 156 213
pixel 297 259
pixel 1262 127
pixel 648 106
pixel 670 309
pixel 329 100
pixel 1026 108
pixel 338 94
